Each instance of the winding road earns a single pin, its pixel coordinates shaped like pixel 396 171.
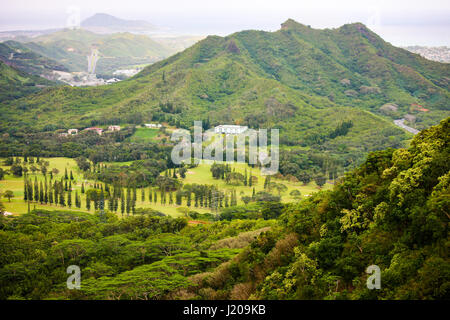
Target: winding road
pixel 401 124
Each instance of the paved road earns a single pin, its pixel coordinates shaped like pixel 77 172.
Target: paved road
pixel 401 124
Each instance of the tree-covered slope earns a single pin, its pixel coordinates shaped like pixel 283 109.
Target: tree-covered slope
pixel 17 55
pixel 15 84
pixel 391 212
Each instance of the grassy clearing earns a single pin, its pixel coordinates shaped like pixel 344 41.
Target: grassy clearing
pixel 18 206
pixel 145 134
pixel 202 175
pixel 199 175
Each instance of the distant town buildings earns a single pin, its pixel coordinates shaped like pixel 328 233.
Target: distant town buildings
pixel 440 54
pixel 99 131
pixel 230 129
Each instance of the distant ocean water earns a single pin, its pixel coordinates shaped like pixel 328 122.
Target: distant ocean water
pixel 398 35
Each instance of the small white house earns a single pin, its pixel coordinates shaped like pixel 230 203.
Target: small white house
pixel 114 128
pixel 72 131
pixel 153 125
pixel 230 129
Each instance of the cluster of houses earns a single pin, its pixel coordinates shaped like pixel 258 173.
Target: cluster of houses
pixel 99 131
pixel 221 129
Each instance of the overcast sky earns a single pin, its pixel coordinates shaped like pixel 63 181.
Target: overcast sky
pixel 402 22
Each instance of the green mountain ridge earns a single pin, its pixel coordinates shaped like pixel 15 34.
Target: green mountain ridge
pixel 17 55
pixel 281 79
pixel 15 83
pixel 117 50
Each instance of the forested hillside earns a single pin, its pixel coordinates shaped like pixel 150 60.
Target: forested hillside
pixel 17 55
pixel 15 84
pixel 392 211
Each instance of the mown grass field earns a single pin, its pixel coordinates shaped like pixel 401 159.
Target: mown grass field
pixel 199 175
pixel 202 175
pixel 145 134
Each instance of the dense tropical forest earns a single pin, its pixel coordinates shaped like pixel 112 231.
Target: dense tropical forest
pixel 87 179
pixel 391 211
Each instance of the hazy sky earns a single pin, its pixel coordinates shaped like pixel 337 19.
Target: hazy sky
pixel 401 22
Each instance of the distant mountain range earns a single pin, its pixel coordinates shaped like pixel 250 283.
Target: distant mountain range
pixel 305 82
pixel 105 23
pixel 122 44
pixel 118 50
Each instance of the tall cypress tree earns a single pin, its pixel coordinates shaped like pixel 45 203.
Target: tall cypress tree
pixel 46 192
pixel 50 194
pixel 88 202
pixel 128 207
pixel 95 202
pixel 36 190
pixel 122 202
pixel 61 199
pixel 178 197
pixel 25 190
pixel 77 200
pixel 188 198
pixel 111 204
pixel 55 192
pixel 102 201
pixel 69 199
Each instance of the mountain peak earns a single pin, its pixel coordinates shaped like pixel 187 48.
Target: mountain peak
pixel 104 20
pixel 291 24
